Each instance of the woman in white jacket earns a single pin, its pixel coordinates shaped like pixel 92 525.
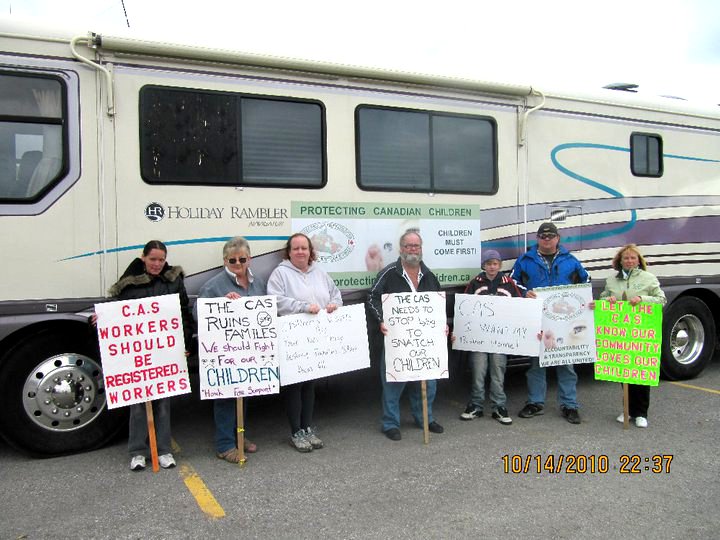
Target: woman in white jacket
pixel 302 287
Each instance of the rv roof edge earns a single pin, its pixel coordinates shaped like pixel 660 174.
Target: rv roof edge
pixel 135 46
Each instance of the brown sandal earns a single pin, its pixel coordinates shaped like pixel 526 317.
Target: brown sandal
pixel 249 446
pixel 231 456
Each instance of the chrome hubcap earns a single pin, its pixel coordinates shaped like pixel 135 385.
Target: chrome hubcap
pixel 64 392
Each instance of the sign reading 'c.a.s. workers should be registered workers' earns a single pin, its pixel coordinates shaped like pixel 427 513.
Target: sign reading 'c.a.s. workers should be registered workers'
pixel 142 349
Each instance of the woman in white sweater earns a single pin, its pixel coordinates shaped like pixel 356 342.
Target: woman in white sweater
pixel 302 287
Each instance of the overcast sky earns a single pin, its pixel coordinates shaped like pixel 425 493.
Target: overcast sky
pixel 668 47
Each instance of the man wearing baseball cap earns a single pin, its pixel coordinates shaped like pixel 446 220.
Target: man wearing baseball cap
pixel 547 264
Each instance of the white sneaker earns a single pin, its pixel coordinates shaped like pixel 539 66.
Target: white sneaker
pixel 621 418
pixel 167 461
pixel 641 421
pixel 137 463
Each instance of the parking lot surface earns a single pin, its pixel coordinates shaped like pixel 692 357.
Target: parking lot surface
pixel 478 479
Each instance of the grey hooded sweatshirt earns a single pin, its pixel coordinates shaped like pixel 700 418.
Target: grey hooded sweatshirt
pixel 297 290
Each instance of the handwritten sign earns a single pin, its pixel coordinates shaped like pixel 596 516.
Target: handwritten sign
pixel 497 324
pixel 142 349
pixel 238 347
pixel 628 340
pixel 567 325
pixel 315 346
pixel 416 344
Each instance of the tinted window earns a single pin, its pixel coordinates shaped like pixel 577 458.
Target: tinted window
pixel 214 138
pixel 425 151
pixel 646 155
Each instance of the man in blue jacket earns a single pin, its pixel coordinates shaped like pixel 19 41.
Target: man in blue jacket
pixel 547 264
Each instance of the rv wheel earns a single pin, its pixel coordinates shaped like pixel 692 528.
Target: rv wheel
pixel 688 338
pixel 53 396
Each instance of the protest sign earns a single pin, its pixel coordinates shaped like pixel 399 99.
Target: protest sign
pixel 497 324
pixel 237 342
pixel 416 343
pixel 567 325
pixel 628 340
pixel 316 346
pixel 142 349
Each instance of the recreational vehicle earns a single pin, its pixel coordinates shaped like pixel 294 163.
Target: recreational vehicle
pixel 108 142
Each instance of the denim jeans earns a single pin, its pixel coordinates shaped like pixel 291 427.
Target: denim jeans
pixel 537 384
pixel 138 443
pixel 392 392
pixel 225 415
pixel 481 363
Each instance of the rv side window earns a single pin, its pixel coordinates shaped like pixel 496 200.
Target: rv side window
pixel 408 150
pixel 646 158
pixel 31 135
pixel 217 138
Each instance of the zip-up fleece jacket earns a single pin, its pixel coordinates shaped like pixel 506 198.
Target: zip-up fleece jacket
pixel 638 283
pixel 297 290
pixel 502 285
pixel 390 280
pixel 531 271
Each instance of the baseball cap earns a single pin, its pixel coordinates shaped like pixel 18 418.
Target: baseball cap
pixel 547 228
pixel 488 255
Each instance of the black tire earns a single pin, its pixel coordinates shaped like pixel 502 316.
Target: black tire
pixel 688 338
pixel 53 396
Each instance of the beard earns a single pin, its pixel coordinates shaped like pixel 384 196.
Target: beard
pixel 411 259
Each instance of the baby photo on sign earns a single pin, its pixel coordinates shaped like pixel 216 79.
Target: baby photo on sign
pixel 567 325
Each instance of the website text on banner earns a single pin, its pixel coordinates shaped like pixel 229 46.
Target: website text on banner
pixel 497 324
pixel 567 325
pixel 416 343
pixel 316 346
pixel 142 349
pixel 628 340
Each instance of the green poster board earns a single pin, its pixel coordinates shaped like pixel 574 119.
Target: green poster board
pixel 628 342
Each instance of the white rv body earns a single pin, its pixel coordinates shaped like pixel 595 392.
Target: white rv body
pixel 83 186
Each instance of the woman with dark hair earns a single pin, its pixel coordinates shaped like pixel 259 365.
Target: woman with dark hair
pixel 302 287
pixel 151 275
pixel 633 283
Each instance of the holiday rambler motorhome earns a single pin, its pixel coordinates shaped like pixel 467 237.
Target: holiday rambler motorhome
pixel 106 143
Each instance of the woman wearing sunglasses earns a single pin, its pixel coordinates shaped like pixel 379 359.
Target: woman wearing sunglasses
pixel 234 281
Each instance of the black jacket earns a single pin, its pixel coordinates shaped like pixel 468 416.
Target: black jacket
pixel 502 285
pixel 136 283
pixel 390 280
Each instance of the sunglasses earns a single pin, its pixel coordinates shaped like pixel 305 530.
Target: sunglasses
pixel 241 260
pixel 547 236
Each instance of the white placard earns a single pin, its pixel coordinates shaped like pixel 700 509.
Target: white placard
pixel 316 346
pixel 416 343
pixel 497 324
pixel 142 349
pixel 567 324
pixel 237 342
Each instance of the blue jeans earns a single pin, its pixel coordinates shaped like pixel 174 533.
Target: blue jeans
pixel 392 392
pixel 225 415
pixel 537 384
pixel 138 443
pixel 481 363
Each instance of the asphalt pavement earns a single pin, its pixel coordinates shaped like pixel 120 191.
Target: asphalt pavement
pixel 478 479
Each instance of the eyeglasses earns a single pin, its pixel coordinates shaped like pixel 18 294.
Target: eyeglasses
pixel 547 236
pixel 241 260
pixel 412 246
